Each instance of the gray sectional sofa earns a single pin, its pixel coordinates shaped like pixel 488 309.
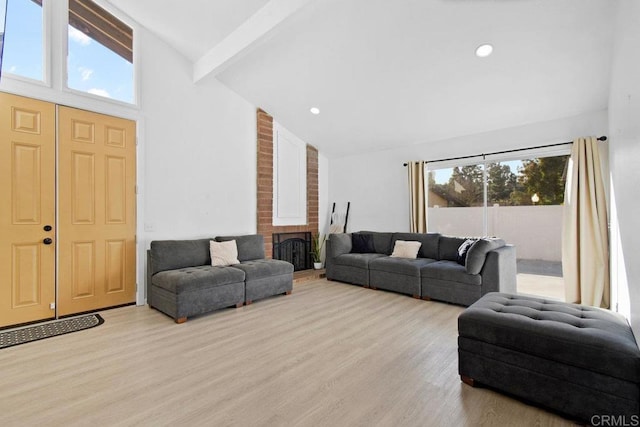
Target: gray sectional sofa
pixel 490 266
pixel 181 282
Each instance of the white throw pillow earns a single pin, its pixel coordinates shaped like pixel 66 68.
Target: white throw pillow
pixel 406 249
pixel 223 253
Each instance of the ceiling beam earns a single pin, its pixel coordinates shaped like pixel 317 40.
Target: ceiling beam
pixel 242 38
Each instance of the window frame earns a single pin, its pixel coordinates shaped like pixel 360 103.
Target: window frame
pixel 484 160
pixel 65 83
pixel 45 81
pixel 54 84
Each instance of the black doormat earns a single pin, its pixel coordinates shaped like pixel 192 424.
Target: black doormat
pixel 48 330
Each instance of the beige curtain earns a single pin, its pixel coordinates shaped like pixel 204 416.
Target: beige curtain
pixel 585 241
pixel 417 197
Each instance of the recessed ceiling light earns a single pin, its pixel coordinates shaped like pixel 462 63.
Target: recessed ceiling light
pixel 314 110
pixel 484 50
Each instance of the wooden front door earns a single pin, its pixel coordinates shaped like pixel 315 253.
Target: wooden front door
pixel 96 185
pixel 27 210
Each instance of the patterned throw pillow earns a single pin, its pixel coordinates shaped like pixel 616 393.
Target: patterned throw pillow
pixel 463 250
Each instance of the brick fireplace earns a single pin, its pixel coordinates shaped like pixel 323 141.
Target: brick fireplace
pixel 265 186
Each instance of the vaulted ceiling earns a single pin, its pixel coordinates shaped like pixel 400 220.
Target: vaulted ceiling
pixel 389 73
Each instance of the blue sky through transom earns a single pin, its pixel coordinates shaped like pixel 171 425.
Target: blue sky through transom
pixel 91 67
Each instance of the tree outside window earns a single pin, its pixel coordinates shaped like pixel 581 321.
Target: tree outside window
pixel 463 186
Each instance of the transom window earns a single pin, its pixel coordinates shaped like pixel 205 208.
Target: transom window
pixel 99 47
pixel 100 52
pixel 23 42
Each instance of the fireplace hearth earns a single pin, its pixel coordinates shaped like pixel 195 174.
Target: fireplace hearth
pixel 294 248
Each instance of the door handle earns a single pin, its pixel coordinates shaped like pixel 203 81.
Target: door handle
pixel 47 228
pixel 47 241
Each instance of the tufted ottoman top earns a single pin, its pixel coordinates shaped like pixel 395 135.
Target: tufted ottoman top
pixel 191 278
pixel 586 337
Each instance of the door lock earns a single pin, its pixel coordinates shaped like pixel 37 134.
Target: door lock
pixel 47 228
pixel 47 241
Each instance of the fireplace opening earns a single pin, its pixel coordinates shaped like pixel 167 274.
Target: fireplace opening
pixel 294 248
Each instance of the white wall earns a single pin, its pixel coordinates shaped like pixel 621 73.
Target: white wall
pixel 376 183
pixel 624 154
pixel 199 154
pixel 199 151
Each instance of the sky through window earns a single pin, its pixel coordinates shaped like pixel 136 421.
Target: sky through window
pixel 91 67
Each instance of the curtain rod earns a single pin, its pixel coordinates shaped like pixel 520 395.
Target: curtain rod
pixel 602 138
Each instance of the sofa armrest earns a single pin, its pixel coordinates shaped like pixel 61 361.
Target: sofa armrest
pixel 499 270
pixel 337 244
pixel 149 274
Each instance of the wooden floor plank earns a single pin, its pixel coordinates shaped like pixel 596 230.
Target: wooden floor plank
pixel 329 354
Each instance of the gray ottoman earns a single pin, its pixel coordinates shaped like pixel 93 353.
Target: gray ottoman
pixel 577 360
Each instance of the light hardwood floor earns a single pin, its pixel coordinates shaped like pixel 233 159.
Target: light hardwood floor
pixel 330 354
pixel 541 286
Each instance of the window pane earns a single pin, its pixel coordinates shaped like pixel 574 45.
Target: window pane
pixel 23 39
pixel 456 201
pixel 100 52
pixel 525 208
pixel 525 205
pixel 535 181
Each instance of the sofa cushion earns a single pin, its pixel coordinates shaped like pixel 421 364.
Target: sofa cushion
pixel 261 268
pixel 429 248
pixel 362 243
pixel 381 241
pixel 250 246
pixel 405 249
pixel 224 253
pixel 478 253
pixel 173 254
pixel 192 278
pixel 448 247
pixel 406 266
pixel 356 260
pixel 451 271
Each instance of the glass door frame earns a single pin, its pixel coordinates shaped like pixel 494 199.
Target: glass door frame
pixel 484 160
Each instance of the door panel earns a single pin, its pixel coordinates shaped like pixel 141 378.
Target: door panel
pixel 116 193
pixel 83 269
pixel 83 188
pixel 116 265
pixel 27 204
pixel 25 182
pixel 26 274
pixel 96 211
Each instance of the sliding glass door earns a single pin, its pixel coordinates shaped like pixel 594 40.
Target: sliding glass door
pixel 518 199
pixel 456 200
